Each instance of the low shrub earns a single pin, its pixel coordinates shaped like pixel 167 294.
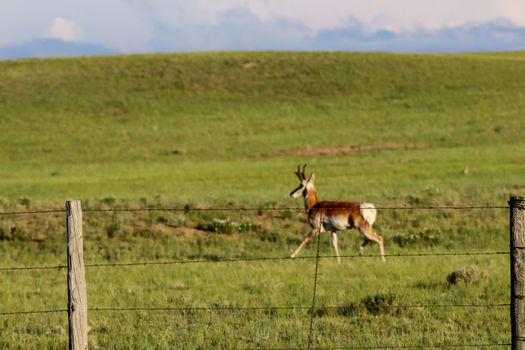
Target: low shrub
pixel 468 275
pixel 381 304
pixel 227 226
pixel 426 238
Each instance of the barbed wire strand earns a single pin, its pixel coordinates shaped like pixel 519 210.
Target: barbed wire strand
pixel 22 268
pixel 287 258
pixel 251 308
pixel 293 307
pixel 186 209
pixel 255 259
pixel 50 211
pixel 29 312
pixel 435 346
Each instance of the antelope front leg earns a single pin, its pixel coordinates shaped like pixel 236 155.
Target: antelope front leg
pixel 334 243
pixel 303 243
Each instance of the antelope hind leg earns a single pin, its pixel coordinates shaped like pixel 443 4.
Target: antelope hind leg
pixel 366 230
pixel 363 245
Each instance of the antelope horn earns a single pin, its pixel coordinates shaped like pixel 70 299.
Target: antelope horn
pixel 299 174
pixel 304 168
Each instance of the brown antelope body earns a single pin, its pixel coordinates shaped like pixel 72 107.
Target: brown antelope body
pixel 333 216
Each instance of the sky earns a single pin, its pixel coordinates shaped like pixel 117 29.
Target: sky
pixel 133 26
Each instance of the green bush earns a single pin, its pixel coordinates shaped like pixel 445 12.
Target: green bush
pixel 227 226
pixel 381 304
pixel 426 238
pixel 468 275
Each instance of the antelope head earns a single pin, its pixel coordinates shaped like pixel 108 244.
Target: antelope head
pixel 302 189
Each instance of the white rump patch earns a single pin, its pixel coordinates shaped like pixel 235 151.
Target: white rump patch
pixel 368 212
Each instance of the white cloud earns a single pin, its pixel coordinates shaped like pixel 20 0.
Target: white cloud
pixel 236 29
pixel 158 25
pixel 327 14
pixel 64 29
pixel 243 29
pixel 513 10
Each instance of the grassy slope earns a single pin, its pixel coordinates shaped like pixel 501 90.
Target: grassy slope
pixel 109 126
pixel 91 128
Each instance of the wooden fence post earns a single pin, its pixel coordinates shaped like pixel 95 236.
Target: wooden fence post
pixel 517 271
pixel 76 283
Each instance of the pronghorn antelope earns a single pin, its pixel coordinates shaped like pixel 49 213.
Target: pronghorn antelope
pixel 335 216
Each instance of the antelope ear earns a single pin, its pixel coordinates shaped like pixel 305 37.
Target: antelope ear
pixel 312 178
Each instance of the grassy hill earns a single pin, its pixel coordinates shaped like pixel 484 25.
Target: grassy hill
pixel 231 126
pixel 229 129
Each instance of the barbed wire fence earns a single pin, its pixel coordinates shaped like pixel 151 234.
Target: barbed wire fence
pixel 516 304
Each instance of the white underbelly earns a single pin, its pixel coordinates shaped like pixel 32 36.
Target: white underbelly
pixel 335 223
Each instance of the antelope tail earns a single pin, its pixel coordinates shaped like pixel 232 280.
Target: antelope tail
pixel 368 212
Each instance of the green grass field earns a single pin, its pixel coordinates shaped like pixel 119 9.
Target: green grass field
pixel 228 130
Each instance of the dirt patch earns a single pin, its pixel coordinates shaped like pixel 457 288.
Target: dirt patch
pixel 189 233
pixel 253 64
pixel 348 149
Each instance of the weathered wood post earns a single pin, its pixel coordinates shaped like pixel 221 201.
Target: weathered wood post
pixel 76 283
pixel 517 271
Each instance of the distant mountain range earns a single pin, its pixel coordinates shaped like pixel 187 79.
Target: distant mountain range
pixel 496 35
pixel 53 48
